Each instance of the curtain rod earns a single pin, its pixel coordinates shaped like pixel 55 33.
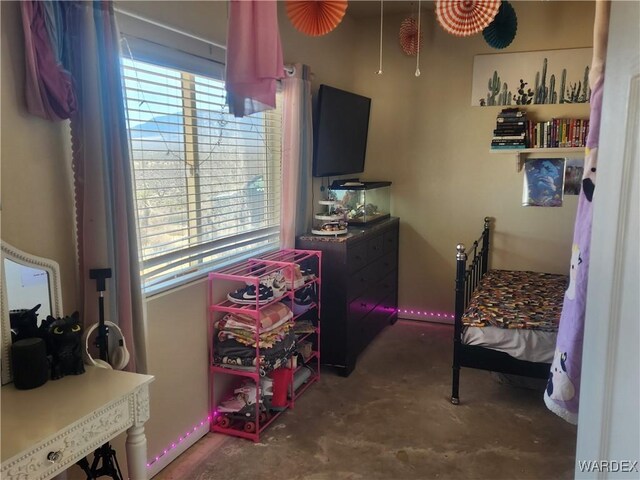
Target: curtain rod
pixel 168 27
pixel 288 68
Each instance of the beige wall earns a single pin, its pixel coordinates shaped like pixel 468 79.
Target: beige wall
pixel 37 197
pixel 426 138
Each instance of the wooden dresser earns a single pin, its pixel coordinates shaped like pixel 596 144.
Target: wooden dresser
pixel 359 288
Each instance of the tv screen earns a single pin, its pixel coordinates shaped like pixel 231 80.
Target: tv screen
pixel 340 140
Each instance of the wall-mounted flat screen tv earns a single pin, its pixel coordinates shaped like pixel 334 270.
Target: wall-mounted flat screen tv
pixel 340 133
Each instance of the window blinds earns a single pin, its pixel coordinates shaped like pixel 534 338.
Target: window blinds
pixel 207 184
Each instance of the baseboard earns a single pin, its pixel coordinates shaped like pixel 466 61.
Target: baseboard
pixel 172 452
pixel 426 318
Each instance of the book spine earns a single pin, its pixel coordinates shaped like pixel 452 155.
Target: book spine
pixel 510 121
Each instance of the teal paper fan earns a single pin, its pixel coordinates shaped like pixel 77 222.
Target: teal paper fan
pixel 501 32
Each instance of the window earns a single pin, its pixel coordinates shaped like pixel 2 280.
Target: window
pixel 207 184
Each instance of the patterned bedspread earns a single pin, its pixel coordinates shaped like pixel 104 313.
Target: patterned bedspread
pixel 512 299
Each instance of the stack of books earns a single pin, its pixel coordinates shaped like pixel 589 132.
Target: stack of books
pixel 558 133
pixel 511 130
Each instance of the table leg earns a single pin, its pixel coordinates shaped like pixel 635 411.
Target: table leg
pixel 136 446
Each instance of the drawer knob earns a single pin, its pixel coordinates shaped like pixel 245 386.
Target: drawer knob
pixel 54 457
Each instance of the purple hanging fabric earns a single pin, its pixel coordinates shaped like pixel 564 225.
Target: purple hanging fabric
pixel 254 56
pixel 562 395
pixel 49 88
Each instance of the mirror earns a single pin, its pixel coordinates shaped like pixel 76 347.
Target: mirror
pixel 26 281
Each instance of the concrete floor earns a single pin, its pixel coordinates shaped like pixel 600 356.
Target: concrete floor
pixel 392 419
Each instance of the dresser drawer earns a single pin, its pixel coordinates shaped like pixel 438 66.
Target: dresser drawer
pixel 356 257
pixel 387 286
pixel 390 241
pixel 359 307
pixel 374 248
pixel 358 283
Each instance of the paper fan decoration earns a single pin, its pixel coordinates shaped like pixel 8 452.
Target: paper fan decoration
pixel 316 17
pixel 466 17
pixel 409 36
pixel 501 32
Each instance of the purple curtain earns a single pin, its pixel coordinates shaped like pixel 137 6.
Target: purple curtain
pixel 254 56
pixel 562 395
pixel 48 88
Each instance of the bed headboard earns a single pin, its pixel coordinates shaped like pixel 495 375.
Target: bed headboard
pixel 468 276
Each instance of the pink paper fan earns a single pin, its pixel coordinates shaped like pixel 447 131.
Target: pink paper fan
pixel 409 36
pixel 466 17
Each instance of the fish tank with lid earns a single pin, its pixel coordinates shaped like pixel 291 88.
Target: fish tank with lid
pixel 361 202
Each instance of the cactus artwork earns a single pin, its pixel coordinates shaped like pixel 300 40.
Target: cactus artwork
pixel 502 99
pixel 494 89
pixel 553 96
pixel 586 91
pixel 541 90
pixel 524 97
pixel 532 78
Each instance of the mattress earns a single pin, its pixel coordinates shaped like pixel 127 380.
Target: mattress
pixel 520 343
pixel 517 300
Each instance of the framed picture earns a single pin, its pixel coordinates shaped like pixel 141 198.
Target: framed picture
pixel 543 182
pixel 530 78
pixel 573 170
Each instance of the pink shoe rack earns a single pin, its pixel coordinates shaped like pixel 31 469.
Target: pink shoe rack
pixel 252 272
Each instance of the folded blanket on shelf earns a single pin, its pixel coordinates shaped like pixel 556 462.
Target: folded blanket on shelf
pixel 275 322
pixel 267 340
pixel 270 316
pixel 233 353
pixel 513 299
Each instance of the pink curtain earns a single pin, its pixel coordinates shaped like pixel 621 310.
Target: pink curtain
pixel 297 151
pixel 254 56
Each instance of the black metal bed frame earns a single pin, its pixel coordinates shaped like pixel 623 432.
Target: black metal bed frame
pixel 473 356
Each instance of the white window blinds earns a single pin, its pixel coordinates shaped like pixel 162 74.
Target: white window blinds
pixel 207 184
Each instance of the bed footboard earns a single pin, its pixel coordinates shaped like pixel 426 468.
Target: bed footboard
pixel 467 279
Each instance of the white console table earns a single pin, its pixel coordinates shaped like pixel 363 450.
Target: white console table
pixel 48 429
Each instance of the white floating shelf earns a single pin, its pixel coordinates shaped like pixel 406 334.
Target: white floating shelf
pixel 523 153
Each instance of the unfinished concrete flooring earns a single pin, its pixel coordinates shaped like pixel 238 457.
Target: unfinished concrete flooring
pixel 392 419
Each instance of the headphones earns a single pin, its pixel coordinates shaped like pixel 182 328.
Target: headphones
pixel 119 356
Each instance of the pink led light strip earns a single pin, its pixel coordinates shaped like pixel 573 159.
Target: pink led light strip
pixel 175 444
pixel 425 313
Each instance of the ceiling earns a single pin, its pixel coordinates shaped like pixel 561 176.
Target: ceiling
pixel 367 8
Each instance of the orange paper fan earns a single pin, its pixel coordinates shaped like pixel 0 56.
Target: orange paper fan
pixel 316 17
pixel 466 17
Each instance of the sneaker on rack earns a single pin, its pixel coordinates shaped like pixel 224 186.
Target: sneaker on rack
pixel 307 274
pixel 277 282
pixel 293 276
pixel 306 296
pixel 247 295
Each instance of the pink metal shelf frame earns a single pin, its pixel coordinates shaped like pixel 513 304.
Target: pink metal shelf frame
pixel 251 271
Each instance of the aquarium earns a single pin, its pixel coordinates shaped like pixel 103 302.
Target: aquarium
pixel 361 202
